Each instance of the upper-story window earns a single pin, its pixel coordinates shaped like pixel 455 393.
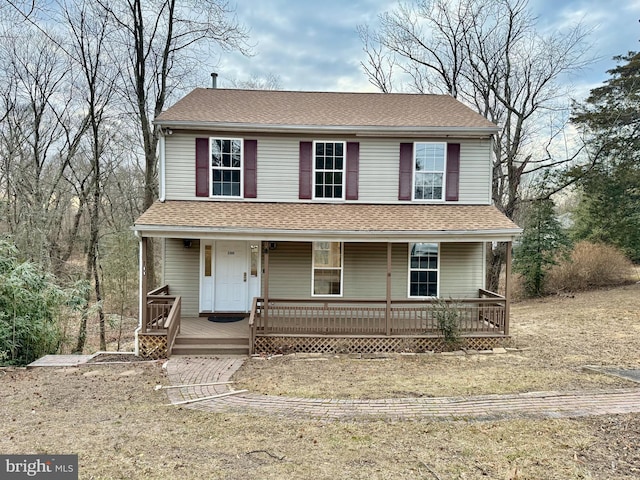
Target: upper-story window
pixel 429 171
pixel 329 162
pixel 226 167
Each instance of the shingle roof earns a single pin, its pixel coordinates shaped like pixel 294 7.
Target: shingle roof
pixel 322 109
pixel 291 219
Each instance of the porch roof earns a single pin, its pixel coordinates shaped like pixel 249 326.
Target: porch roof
pixel 325 221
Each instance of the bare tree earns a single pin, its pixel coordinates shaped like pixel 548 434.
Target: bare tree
pixel 89 33
pixel 379 63
pixel 269 81
pixel 161 38
pixel 490 55
pixel 39 138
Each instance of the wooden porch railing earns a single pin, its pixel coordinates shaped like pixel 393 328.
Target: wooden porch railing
pixel 476 316
pixel 163 315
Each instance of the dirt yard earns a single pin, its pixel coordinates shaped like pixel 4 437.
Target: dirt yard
pixel 121 426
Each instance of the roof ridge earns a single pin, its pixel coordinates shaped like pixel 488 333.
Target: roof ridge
pixel 321 92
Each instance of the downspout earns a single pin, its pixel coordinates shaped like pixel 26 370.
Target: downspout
pixel 161 162
pixel 140 302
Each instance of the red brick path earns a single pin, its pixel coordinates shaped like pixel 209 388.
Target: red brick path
pixel 192 370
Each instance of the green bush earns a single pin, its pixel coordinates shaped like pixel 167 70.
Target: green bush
pixel 542 242
pixel 30 307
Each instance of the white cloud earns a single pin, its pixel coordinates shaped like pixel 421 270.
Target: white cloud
pixel 315 45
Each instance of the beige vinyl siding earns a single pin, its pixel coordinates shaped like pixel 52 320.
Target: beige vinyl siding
pixel 181 271
pixel 180 166
pixel 461 269
pixel 475 172
pixel 379 170
pixel 289 270
pixel 365 268
pixel 278 165
pixel 364 275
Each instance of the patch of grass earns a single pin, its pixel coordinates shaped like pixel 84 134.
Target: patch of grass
pixel 415 376
pixel 557 336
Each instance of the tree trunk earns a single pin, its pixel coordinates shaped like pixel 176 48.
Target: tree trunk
pixel 495 260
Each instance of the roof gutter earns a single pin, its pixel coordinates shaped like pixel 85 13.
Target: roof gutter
pixel 328 235
pixel 357 130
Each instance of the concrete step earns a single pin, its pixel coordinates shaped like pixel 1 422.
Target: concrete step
pixel 197 340
pixel 208 349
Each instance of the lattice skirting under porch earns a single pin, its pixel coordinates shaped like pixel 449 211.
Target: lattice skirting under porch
pixel 267 345
pixel 152 346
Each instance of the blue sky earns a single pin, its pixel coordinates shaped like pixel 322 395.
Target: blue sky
pixel 313 45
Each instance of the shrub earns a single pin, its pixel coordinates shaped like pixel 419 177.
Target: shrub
pixel 542 242
pixel 448 317
pixel 30 308
pixel 590 265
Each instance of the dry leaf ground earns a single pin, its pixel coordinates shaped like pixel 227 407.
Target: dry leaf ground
pixel 555 336
pixel 121 427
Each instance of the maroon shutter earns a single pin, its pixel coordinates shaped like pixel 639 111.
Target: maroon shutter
pixel 453 172
pixel 306 156
pixel 406 171
pixel 353 167
pixel 202 167
pixel 250 168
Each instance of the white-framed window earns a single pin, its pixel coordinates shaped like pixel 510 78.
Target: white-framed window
pixel 329 160
pixel 429 166
pixel 327 269
pixel 226 167
pixel 424 267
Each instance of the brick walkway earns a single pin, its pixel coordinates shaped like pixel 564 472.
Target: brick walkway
pixel 193 370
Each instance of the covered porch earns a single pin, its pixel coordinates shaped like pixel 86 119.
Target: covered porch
pixel 330 325
pixel 360 296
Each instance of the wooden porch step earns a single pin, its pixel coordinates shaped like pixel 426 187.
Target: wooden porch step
pixel 210 349
pixel 200 340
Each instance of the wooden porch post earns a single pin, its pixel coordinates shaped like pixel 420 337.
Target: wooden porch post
pixel 143 284
pixel 387 316
pixel 507 289
pixel 265 307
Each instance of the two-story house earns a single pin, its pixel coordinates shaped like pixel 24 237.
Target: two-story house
pixel 333 221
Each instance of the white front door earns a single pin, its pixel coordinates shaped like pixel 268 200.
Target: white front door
pixel 231 276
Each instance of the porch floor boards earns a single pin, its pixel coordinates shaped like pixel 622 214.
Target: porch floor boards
pixel 201 327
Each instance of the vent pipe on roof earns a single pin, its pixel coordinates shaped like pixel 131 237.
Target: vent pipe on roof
pixel 214 80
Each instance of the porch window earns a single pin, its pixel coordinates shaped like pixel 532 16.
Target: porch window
pixel 428 172
pixel 329 160
pixel 423 270
pixel 255 259
pixel 226 167
pixel 327 268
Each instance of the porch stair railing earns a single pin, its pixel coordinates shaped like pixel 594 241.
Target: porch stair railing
pixel 161 322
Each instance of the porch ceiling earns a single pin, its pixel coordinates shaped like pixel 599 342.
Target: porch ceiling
pixel 330 221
